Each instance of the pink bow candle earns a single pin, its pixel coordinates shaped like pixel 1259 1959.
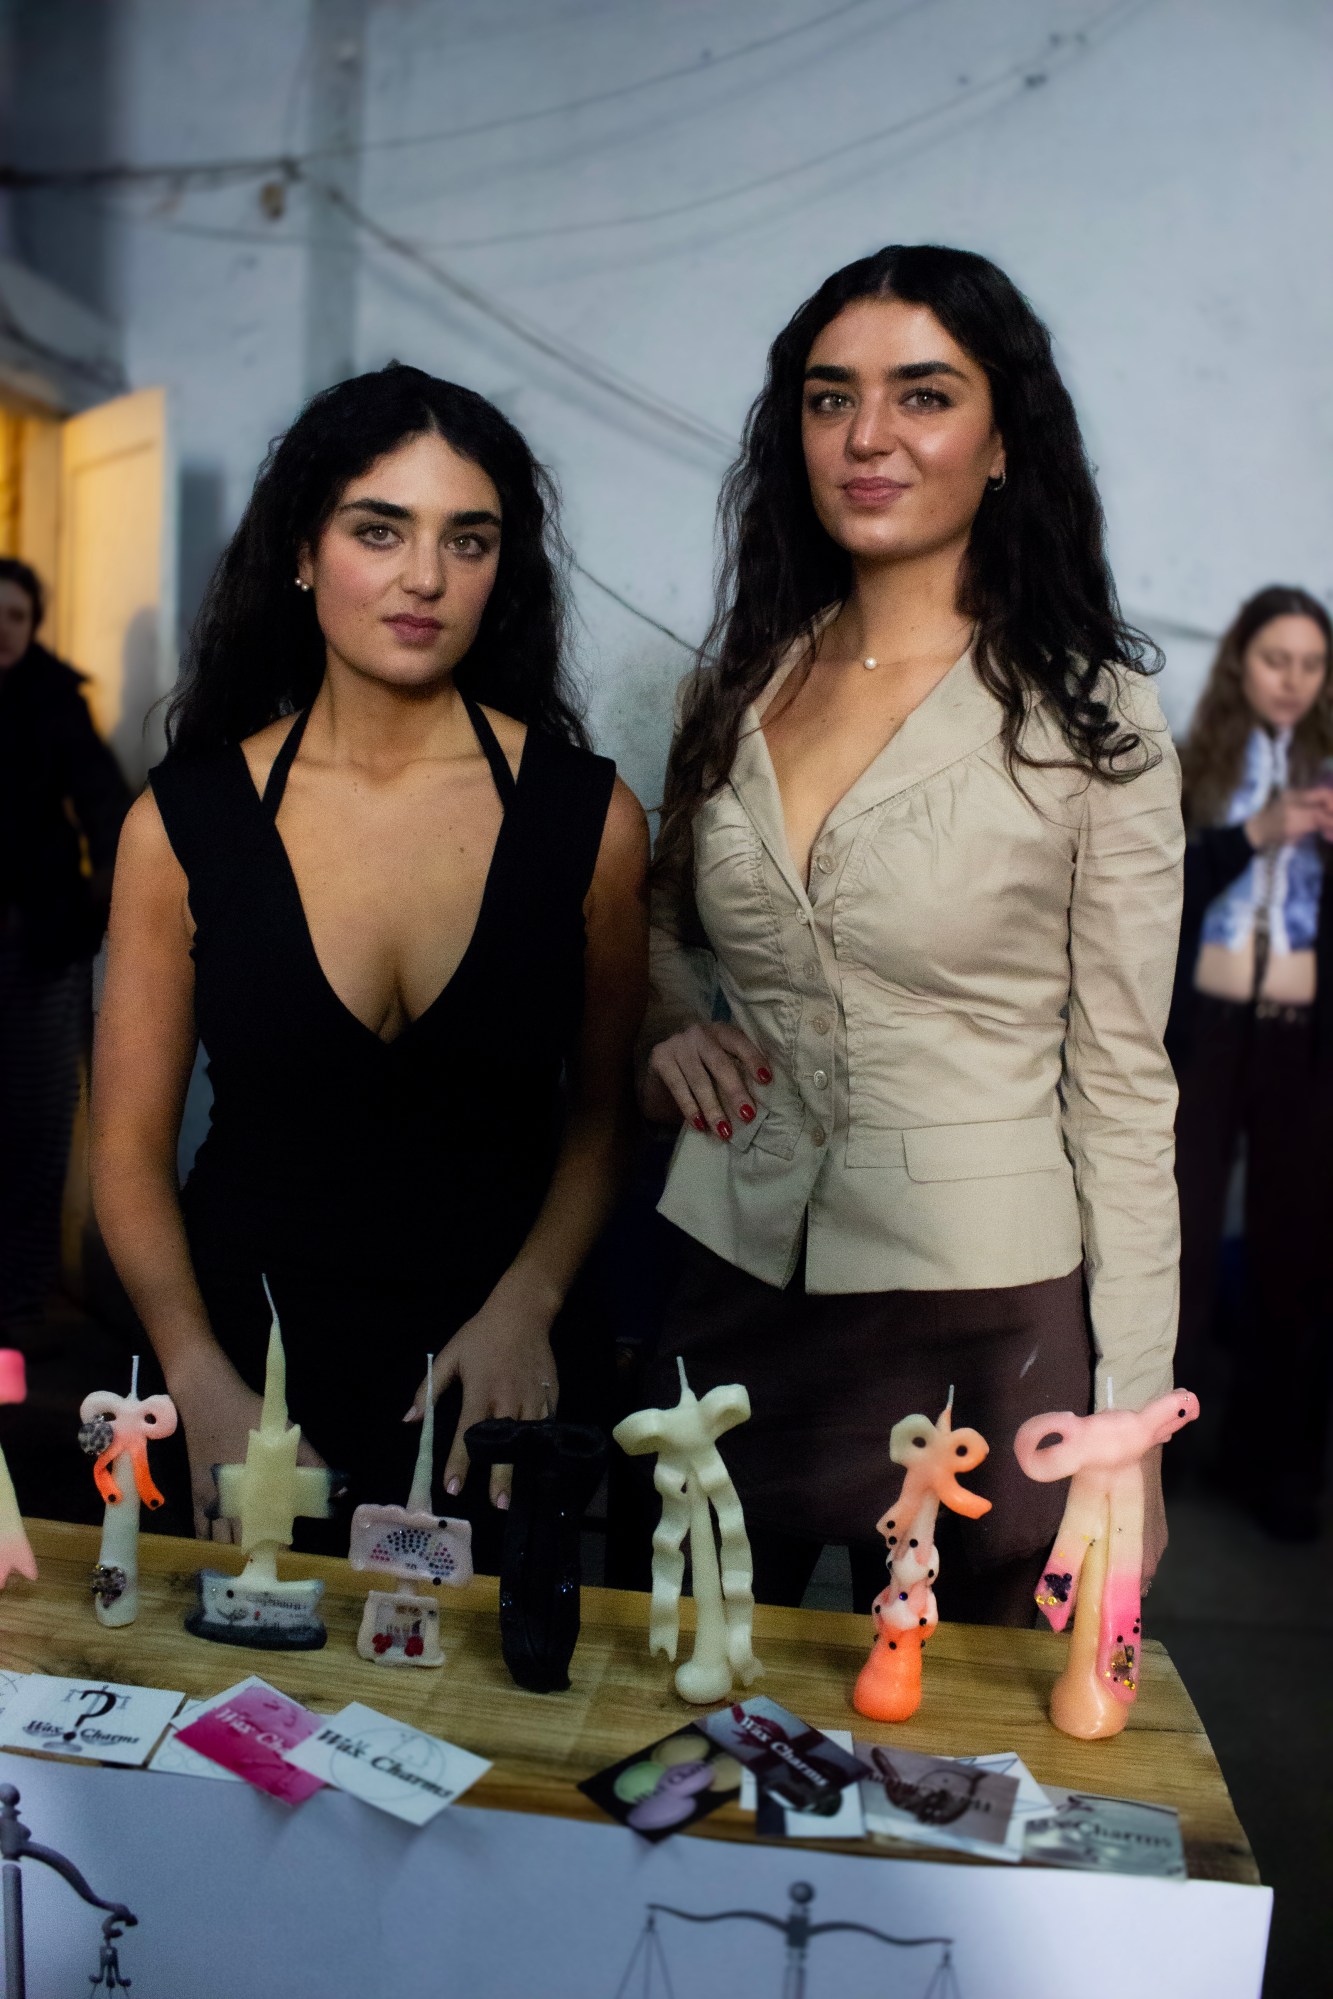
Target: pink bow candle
pixel 888 1687
pixel 116 1431
pixel 15 1553
pixel 1096 1565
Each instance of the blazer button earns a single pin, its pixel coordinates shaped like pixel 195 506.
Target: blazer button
pixel 810 969
pixel 820 1079
pixel 820 1023
pixel 819 1135
pixel 824 864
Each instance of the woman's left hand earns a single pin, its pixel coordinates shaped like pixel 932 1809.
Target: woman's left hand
pixel 502 1360
pixel 1154 1515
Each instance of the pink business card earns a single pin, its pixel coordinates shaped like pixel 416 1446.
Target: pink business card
pixel 250 1736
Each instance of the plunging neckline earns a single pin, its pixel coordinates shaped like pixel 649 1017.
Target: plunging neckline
pixel 269 802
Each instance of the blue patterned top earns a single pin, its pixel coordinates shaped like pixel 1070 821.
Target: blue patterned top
pixel 1286 881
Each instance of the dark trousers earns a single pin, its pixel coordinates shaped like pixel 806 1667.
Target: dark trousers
pixel 1250 1079
pixel 44 1018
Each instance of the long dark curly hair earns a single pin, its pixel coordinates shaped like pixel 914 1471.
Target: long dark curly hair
pixel 256 650
pixel 1035 580
pixel 1214 751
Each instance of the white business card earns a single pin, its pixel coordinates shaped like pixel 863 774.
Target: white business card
pixel 388 1764
pixel 95 1719
pixel 10 1682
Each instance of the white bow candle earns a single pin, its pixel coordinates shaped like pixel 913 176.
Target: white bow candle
pixel 15 1554
pixel 402 1627
pixel 116 1431
pixel 691 1478
pixel 1096 1566
pixel 266 1495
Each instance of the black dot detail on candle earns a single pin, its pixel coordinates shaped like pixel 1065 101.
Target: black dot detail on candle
pixel 231 1592
pixel 1181 1414
pixel 930 1575
pixel 921 1620
pixel 902 1596
pixel 1119 1637
pixel 893 1644
pixel 920 1443
pixel 911 1544
pixel 960 1450
pixel 150 1417
pixel 893 1538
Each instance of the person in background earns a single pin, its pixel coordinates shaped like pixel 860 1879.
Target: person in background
pixel 922 834
pixel 62 800
pixel 1251 1029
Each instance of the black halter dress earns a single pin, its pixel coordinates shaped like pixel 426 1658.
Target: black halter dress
pixel 382 1187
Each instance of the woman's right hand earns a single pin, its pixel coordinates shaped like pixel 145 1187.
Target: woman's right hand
pixel 709 1075
pixel 218 1412
pixel 1291 816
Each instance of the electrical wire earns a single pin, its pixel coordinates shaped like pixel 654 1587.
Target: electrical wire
pixel 625 604
pixel 1059 52
pixel 600 376
pixel 282 165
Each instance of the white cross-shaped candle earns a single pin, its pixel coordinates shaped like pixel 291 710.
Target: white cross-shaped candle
pixel 691 1478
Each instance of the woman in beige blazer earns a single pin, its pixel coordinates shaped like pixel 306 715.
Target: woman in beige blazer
pixel 914 931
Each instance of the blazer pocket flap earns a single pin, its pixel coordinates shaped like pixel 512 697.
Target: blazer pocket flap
pixel 983 1151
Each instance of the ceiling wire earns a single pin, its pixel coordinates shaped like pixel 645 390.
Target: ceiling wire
pixel 1029 73
pixel 285 163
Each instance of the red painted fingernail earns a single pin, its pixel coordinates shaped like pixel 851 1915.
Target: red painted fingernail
pixel 764 1075
pixel 723 1128
pixel 747 1112
pixel 699 1123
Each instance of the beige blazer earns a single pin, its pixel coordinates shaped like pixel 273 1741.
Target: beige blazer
pixel 964 1012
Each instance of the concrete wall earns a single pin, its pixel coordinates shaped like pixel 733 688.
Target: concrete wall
pixel 1153 175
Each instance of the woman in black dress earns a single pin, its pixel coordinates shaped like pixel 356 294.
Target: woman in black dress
pixel 383 881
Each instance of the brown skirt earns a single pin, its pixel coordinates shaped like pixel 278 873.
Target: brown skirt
pixel 830 1375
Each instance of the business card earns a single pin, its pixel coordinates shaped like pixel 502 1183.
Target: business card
pixel 10 1682
pixel 667 1786
pixel 940 1801
pixel 172 1755
pixel 838 1815
pixel 98 1720
pixel 250 1735
pixel 801 1765
pixel 1106 1835
pixel 386 1763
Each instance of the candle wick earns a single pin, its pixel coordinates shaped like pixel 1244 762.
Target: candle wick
pixel 1110 1393
pixel 269 1295
pixel 949 1403
pixel 134 1379
pixel 680 1365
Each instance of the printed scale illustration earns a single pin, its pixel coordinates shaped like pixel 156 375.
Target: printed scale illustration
pixel 266 1495
pixel 115 1431
pixel 1096 1565
pixel 17 1844
pixel 16 1557
pixel 402 1627
pixel 692 1479
pixel 888 1687
pixel 650 1973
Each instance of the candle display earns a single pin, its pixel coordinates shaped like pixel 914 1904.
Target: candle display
pixel 266 1495
pixel 557 1468
pixel 402 1627
pixel 1096 1565
pixel 692 1479
pixel 888 1687
pixel 15 1554
pixel 115 1431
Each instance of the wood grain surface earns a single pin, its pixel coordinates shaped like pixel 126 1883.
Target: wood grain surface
pixel 985 1689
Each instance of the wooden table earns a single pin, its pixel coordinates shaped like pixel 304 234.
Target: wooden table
pixel 986 1689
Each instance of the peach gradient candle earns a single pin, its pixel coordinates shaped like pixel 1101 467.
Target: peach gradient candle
pixel 888 1687
pixel 1096 1566
pixel 15 1554
pixel 116 1431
